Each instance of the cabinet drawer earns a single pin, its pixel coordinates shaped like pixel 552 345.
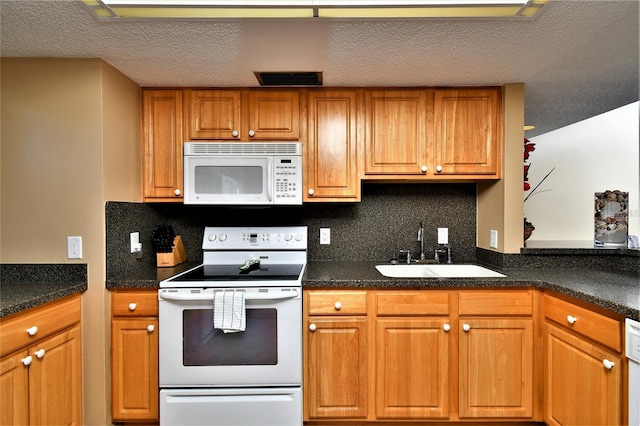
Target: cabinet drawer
pixel 595 326
pixel 342 302
pixel 134 303
pixel 43 320
pixel 417 302
pixel 496 303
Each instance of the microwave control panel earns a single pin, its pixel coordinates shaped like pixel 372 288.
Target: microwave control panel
pixel 287 180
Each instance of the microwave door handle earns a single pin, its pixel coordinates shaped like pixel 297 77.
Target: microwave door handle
pixel 269 179
pixel 209 296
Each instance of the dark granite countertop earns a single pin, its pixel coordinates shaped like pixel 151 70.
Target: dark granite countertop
pixel 616 291
pixel 24 286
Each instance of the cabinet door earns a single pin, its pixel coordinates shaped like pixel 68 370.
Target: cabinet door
pixel 467 132
pixel 396 134
pixel 412 368
pixel 332 154
pixel 335 384
pixel 496 368
pixel 579 388
pixel 162 145
pixel 274 115
pixel 134 369
pixel 55 380
pixel 213 114
pixel 14 390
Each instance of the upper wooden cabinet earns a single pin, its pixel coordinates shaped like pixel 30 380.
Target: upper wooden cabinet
pixel 242 114
pixel 467 130
pixel 397 131
pixel 162 141
pixel 331 157
pixel 433 134
pixel 213 114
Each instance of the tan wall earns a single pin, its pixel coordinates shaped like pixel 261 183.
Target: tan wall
pixel 500 204
pixel 59 140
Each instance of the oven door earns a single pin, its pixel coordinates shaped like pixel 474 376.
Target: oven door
pixel 267 353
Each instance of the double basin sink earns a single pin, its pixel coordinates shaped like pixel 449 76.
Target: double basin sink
pixel 436 271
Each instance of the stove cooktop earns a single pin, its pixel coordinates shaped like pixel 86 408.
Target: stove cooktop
pixel 205 273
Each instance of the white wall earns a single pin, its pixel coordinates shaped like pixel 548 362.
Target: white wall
pixel 594 155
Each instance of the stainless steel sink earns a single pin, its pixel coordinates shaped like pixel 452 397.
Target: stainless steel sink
pixel 437 271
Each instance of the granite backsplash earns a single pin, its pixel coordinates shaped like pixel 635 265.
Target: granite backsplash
pixel 385 221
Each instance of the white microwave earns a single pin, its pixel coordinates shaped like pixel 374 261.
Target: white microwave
pixel 243 173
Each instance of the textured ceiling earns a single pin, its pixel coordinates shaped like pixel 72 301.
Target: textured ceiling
pixel 577 59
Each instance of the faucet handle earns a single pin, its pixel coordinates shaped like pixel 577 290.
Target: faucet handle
pixel 407 253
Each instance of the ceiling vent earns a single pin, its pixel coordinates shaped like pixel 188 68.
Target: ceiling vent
pixel 286 78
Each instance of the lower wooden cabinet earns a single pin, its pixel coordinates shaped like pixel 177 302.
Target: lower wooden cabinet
pixel 583 371
pixel 336 370
pixel 412 368
pixel 336 344
pixel 431 354
pixel 496 368
pixel 41 383
pixel 496 350
pixel 134 356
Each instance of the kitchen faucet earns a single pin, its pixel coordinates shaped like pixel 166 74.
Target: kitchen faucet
pixel 421 239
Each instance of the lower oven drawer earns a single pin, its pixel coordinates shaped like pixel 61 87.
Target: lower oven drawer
pixel 231 407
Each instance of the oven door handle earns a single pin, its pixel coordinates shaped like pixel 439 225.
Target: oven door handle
pixel 209 296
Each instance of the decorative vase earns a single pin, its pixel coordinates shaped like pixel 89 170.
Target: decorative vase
pixel 528 230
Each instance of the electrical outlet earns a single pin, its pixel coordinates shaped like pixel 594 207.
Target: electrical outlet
pixel 74 247
pixel 325 235
pixel 443 235
pixel 494 239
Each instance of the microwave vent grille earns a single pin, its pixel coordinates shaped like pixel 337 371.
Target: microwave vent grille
pixel 242 148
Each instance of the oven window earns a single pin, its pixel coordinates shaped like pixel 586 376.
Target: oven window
pixel 228 180
pixel 205 346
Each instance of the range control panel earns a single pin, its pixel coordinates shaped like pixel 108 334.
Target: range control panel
pixel 264 238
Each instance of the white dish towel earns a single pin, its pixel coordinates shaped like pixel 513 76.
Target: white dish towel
pixel 229 313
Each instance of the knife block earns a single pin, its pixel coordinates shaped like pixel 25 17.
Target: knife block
pixel 175 257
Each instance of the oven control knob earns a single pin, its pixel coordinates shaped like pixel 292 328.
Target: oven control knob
pixel 312 327
pixel 212 237
pixel 288 237
pixel 222 237
pixel 298 237
pixel 338 306
pixel 132 307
